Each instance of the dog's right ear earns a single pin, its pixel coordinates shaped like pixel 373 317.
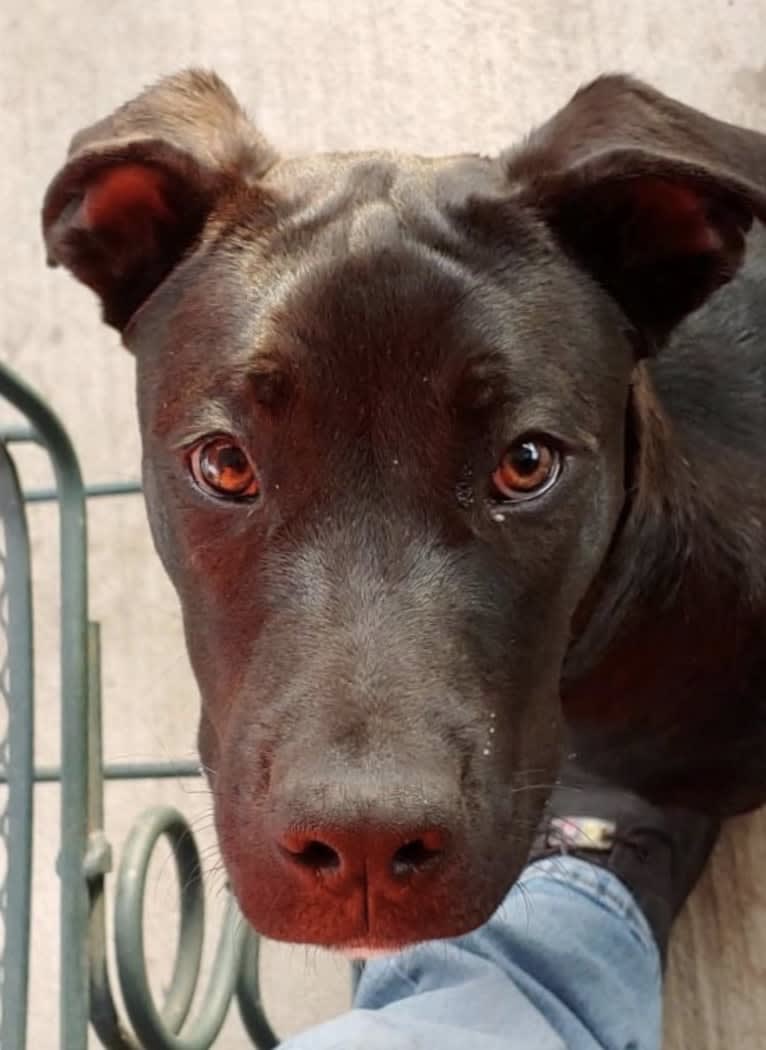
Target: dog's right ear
pixel 138 187
pixel 653 198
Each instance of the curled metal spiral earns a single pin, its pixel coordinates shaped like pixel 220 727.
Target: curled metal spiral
pixel 234 971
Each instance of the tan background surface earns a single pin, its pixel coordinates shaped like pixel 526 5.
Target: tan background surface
pixel 434 76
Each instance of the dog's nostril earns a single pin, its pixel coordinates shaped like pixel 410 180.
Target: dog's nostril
pixel 320 857
pixel 418 853
pixel 357 852
pixel 316 855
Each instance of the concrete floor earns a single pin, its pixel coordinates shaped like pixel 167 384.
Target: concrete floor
pixel 317 74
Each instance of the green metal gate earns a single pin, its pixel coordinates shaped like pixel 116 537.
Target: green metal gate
pixel 85 857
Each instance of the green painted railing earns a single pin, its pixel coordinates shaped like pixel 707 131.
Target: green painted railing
pixel 85 857
pixel 16 756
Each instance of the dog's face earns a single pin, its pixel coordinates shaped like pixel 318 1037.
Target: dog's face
pixel 383 405
pixel 425 464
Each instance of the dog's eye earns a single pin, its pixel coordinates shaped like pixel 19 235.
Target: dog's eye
pixel 529 468
pixel 222 468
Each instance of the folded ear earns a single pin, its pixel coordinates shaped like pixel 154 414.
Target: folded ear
pixel 138 187
pixel 652 197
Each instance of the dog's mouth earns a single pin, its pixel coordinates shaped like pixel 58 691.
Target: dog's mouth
pixel 369 858
pixel 362 951
pixel 372 917
pixel 426 859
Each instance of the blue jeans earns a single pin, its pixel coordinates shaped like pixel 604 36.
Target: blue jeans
pixel 567 963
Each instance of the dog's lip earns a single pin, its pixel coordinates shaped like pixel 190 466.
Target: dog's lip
pixel 359 950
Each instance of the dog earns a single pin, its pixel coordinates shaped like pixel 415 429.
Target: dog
pixel 456 465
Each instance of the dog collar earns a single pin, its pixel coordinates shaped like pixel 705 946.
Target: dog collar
pixel 580 833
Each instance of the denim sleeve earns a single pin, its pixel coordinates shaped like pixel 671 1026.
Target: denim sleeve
pixel 567 963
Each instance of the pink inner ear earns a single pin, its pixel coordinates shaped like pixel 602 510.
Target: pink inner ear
pixel 676 217
pixel 121 196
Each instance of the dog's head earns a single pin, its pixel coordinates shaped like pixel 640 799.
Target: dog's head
pixel 383 403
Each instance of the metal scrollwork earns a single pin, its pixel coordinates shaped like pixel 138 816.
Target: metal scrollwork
pixel 234 969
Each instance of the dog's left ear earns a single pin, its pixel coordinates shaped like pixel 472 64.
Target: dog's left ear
pixel 653 198
pixel 138 187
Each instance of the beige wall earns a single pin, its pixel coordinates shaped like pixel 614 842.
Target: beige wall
pixel 317 74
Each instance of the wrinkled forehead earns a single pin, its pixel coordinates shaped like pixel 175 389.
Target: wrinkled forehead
pixel 357 275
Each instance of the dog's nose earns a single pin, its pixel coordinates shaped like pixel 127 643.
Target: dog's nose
pixel 365 858
pixel 382 857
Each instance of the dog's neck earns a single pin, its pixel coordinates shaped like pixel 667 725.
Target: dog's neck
pixel 675 547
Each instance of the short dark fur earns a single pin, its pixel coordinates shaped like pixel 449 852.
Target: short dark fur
pixel 384 653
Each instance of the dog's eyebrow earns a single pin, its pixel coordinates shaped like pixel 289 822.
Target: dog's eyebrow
pixel 267 382
pixel 208 418
pixel 485 388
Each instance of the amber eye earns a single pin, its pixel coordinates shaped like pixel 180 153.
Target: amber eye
pixel 529 468
pixel 222 468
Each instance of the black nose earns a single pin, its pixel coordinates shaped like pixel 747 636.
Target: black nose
pixel 383 857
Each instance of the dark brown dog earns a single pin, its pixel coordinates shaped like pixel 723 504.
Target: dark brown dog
pixel 416 477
